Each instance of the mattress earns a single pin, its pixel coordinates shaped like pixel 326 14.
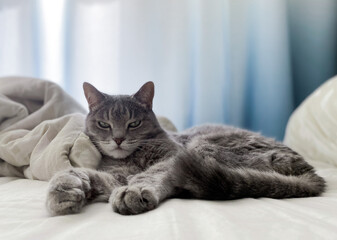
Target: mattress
pixel 23 216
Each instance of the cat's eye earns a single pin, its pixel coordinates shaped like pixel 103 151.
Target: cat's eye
pixel 134 124
pixel 103 124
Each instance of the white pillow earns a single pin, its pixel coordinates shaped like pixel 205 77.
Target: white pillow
pixel 312 128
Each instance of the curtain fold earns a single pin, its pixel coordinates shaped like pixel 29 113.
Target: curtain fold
pixel 19 37
pixel 243 63
pixel 269 99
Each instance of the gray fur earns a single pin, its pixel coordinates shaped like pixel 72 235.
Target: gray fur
pixel 214 162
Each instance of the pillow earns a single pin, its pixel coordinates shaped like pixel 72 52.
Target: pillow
pixel 312 128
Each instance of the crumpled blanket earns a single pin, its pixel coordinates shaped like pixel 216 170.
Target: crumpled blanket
pixel 41 130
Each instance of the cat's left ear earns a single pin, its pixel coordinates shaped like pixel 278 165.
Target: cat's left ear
pixel 145 94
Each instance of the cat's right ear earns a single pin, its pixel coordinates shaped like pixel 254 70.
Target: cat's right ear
pixel 93 96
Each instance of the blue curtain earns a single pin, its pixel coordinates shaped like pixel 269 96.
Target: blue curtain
pixel 242 63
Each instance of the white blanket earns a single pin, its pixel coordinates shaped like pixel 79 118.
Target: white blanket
pixel 23 216
pixel 41 130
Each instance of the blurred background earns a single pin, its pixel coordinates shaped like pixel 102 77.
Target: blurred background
pixel 247 63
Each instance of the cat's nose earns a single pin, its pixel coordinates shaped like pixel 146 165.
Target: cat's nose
pixel 119 140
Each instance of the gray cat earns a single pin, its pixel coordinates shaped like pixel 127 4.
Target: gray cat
pixel 143 165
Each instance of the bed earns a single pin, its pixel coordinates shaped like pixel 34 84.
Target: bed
pixel 24 216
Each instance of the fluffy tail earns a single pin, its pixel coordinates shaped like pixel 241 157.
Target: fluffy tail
pixel 209 180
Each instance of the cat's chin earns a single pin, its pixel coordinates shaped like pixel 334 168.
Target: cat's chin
pixel 119 153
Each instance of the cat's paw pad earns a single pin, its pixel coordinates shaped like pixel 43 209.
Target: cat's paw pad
pixel 67 192
pixel 128 200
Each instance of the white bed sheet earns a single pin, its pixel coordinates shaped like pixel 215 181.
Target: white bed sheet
pixel 23 216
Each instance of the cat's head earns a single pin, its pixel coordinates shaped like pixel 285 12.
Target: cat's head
pixel 119 124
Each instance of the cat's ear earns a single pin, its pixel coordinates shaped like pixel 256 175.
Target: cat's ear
pixel 93 96
pixel 145 94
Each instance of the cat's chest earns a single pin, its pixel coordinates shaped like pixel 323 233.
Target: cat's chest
pixel 147 157
pixel 136 163
pixel 122 168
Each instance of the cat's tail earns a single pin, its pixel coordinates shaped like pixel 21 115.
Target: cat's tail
pixel 201 179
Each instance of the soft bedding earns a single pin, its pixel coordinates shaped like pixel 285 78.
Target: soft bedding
pixel 312 128
pixel 41 130
pixel 23 214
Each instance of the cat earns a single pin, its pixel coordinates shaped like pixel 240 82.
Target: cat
pixel 142 165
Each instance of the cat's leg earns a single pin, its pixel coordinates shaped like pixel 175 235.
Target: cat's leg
pixel 71 189
pixel 288 162
pixel 144 191
pixel 273 157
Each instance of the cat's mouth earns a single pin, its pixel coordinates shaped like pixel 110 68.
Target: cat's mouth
pixel 115 151
pixel 119 152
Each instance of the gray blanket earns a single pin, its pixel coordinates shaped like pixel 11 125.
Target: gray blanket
pixel 41 130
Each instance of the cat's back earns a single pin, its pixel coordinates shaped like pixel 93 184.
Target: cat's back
pixel 209 130
pixel 226 136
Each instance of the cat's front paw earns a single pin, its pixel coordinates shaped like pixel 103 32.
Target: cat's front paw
pixel 67 192
pixel 129 200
